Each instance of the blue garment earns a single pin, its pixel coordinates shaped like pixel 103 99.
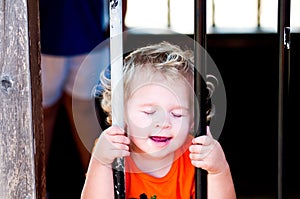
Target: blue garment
pixel 99 87
pixel 72 27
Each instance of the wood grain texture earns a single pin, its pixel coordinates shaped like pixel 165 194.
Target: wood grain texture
pixel 17 148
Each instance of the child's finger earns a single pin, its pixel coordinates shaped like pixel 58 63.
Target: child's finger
pixel 197 156
pixel 115 130
pixel 199 152
pixel 196 148
pixel 199 164
pixel 120 139
pixel 121 147
pixel 119 154
pixel 202 140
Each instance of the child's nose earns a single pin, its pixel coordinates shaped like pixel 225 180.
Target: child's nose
pixel 164 124
pixel 162 119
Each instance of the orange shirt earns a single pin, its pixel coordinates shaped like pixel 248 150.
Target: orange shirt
pixel 177 184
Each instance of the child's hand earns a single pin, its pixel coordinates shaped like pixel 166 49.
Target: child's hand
pixel 111 144
pixel 207 153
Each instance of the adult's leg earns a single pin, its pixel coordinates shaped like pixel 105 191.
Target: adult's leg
pixel 84 124
pixel 79 100
pixel 50 114
pixel 53 77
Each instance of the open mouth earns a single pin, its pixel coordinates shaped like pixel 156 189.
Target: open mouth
pixel 160 138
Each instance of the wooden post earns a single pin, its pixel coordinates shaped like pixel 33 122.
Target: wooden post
pixel 21 136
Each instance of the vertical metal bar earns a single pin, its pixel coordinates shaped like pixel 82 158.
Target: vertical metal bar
pixel 200 88
pixel 116 63
pixel 284 78
pixel 169 13
pixel 258 13
pixel 213 13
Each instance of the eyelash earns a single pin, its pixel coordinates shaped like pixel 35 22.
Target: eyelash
pixel 176 115
pixel 149 112
pixel 173 114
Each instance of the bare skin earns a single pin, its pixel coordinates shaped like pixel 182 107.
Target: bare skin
pixel 158 122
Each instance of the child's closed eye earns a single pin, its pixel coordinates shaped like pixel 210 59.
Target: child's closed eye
pixel 176 114
pixel 148 112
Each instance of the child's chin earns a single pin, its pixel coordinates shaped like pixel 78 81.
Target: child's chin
pixel 155 149
pixel 159 153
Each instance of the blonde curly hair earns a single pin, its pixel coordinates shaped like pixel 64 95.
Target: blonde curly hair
pixel 167 59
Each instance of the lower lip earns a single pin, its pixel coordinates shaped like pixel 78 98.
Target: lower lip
pixel 160 143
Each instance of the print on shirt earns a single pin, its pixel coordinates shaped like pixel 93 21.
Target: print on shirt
pixel 144 196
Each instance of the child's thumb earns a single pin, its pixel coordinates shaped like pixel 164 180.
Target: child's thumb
pixel 208 132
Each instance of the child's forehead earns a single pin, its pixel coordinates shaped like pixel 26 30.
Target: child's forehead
pixel 149 72
pixel 148 77
pixel 158 81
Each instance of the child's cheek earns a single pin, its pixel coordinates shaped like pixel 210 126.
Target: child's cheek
pixel 138 119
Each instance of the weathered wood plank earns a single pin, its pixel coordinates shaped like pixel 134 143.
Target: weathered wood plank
pixel 36 93
pixel 17 147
